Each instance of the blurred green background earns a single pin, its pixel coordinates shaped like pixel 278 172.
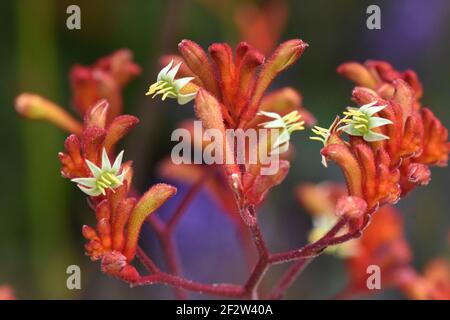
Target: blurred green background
pixel 41 215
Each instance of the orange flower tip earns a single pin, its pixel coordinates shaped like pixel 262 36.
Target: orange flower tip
pixel 186 44
pixel 363 95
pixel 167 187
pixel 351 207
pixel 357 73
pixel 254 58
pixel 88 232
pixel 183 43
pixel 350 66
pixel 29 106
pixel 288 52
pixel 97 114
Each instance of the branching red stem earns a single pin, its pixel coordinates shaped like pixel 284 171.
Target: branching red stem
pixel 304 255
pixel 164 232
pixel 225 290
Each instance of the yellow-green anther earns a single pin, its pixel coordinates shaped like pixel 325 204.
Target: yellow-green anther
pixel 168 87
pixel 105 177
pixel 286 125
pixel 360 122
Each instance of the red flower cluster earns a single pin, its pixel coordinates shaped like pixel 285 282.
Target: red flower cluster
pixel 382 244
pixel 381 172
pixel 385 157
pixel 119 213
pixel 119 216
pixel 231 90
pixel 105 79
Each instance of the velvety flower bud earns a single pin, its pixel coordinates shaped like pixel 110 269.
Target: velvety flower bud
pixel 351 207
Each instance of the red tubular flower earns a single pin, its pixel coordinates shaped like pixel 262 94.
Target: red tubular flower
pixel 95 136
pixel 409 138
pixel 379 76
pixel 87 155
pixel 230 89
pixel 392 142
pixel 119 217
pixel 233 80
pixel 119 220
pixel 105 79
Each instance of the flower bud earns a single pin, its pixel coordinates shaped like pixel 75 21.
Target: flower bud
pixel 35 107
pixel 197 60
pixel 149 202
pixel 96 116
pixel 351 207
pixel 284 56
pixel 357 73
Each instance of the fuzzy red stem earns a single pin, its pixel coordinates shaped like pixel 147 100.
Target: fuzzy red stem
pixel 264 262
pixel 225 290
pixel 315 248
pixel 297 268
pixel 262 265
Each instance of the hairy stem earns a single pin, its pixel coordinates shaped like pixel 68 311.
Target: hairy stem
pixel 224 289
pixel 313 249
pixel 306 254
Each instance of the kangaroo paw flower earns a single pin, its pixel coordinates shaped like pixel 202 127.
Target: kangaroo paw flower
pixel 360 122
pixel 105 177
pixel 286 124
pixel 168 87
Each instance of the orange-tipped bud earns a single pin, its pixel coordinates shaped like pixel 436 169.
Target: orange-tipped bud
pixel 35 107
pixel 147 204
